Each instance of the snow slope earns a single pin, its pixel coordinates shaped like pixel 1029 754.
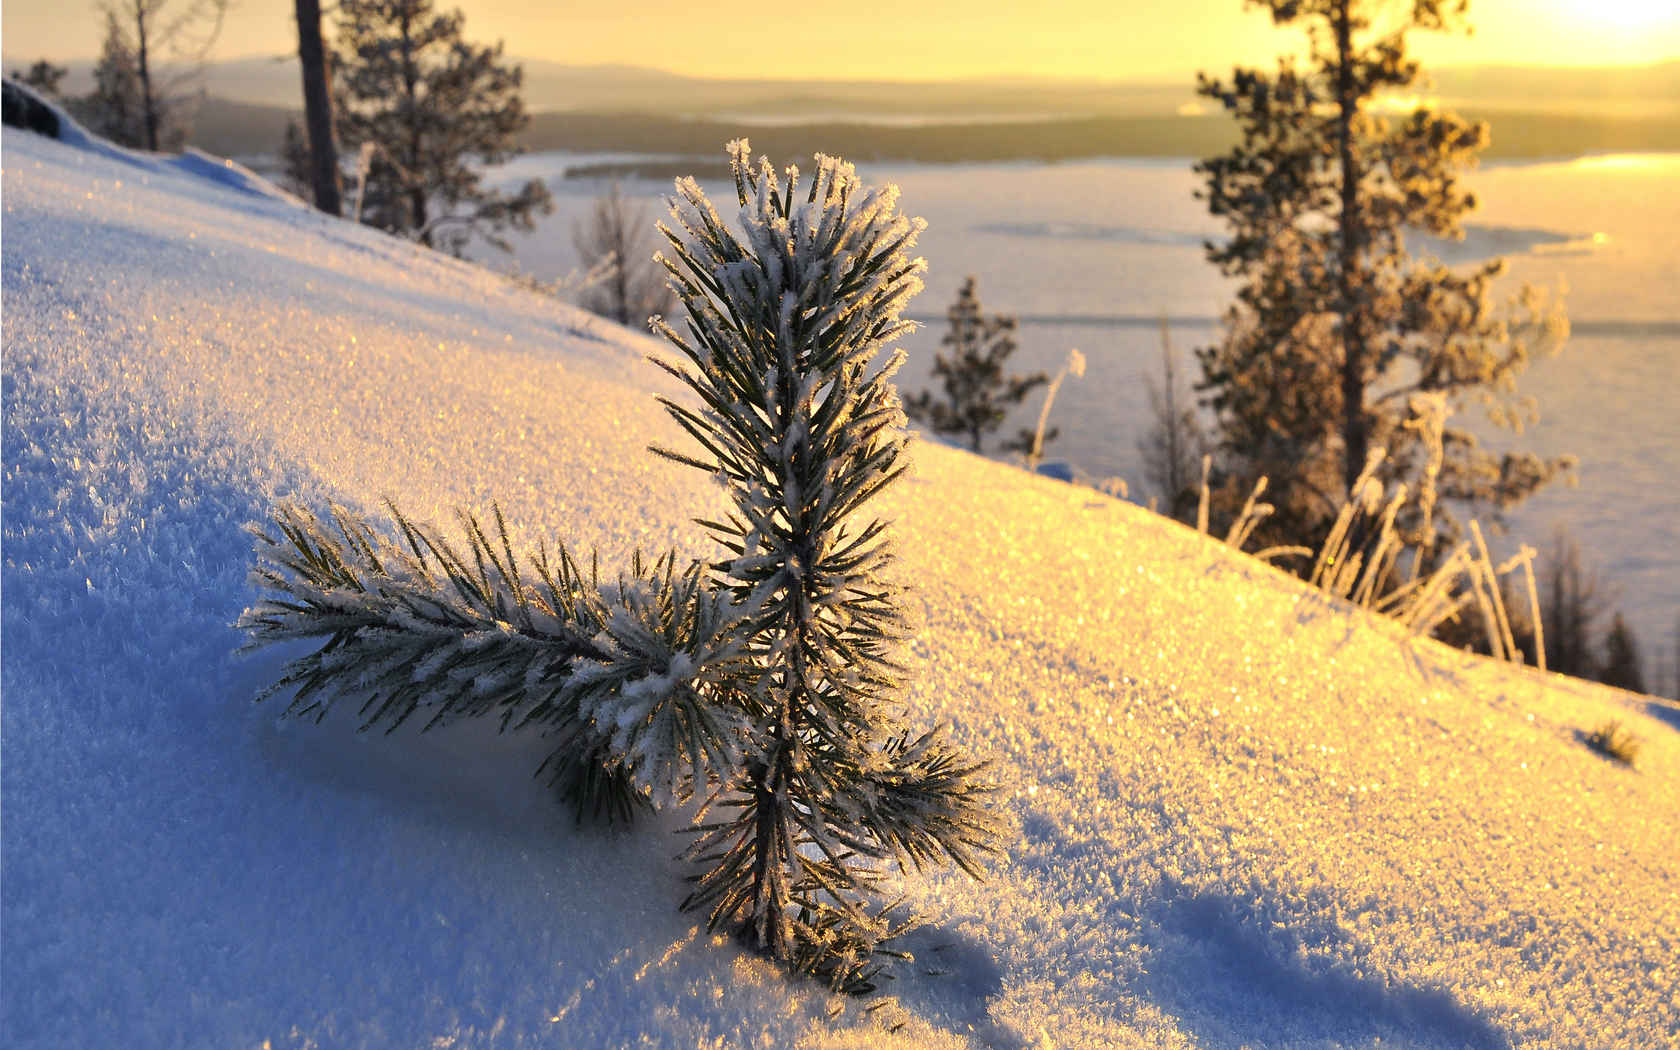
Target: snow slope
pixel 1244 816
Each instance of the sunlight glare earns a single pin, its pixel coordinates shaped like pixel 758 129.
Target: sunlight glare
pixel 1620 15
pixel 1644 162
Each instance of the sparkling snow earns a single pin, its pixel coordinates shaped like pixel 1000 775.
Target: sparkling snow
pixel 1246 816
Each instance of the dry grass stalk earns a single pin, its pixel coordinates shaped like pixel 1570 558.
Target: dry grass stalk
pixel 1207 497
pixel 1252 514
pixel 1614 742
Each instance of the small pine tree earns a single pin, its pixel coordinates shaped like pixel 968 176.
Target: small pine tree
pixel 297 163
pixel 1621 657
pixel 43 77
pixel 114 109
pixel 438 109
pixel 1173 448
pixel 617 244
pixel 784 327
pixel 977 393
pixel 1570 605
pixel 769 682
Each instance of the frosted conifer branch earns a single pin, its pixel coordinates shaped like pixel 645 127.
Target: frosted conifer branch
pixel 630 679
pixel 788 357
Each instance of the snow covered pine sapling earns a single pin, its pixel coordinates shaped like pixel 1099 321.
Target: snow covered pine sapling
pixel 768 682
pixel 783 330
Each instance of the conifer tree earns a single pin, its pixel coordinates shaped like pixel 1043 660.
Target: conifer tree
pixel 769 682
pixel 1571 604
pixel 113 109
pixel 977 393
pixel 1173 447
pixel 436 108
pixel 801 423
pixel 132 83
pixel 1337 325
pixel 1621 657
pixel 43 76
pixel 617 244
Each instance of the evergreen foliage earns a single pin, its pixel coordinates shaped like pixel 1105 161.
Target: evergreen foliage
pixel 414 628
pixel 437 108
pixel 769 682
pixel 113 110
pixel 802 426
pixel 1338 326
pixel 135 102
pixel 977 393
pixel 616 245
pixel 1621 657
pixel 1571 604
pixel 1173 447
pixel 43 76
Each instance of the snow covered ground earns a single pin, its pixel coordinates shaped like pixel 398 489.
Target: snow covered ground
pixel 1243 816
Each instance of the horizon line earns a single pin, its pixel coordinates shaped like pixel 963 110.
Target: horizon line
pixel 1147 80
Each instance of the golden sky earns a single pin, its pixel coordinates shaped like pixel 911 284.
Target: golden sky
pixel 922 39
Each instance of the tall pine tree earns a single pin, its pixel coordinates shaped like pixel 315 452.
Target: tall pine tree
pixel 133 86
pixel 1338 326
pixel 437 108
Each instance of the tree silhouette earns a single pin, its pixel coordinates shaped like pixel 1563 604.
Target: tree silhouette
pixel 977 393
pixel 1338 326
pixel 436 108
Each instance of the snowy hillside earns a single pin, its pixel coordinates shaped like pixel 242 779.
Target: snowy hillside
pixel 1241 816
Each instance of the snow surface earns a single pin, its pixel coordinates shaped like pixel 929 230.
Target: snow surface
pixel 1245 816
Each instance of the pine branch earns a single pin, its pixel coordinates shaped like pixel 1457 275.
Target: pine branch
pixel 785 326
pixel 634 680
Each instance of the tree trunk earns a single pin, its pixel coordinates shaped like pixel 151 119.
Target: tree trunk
pixel 318 109
pixel 621 274
pixel 142 49
pixel 767 927
pixel 1355 334
pixel 619 235
pixel 411 94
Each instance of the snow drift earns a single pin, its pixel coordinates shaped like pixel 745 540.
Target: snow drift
pixel 1241 815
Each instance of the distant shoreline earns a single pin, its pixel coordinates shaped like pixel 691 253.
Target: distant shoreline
pixel 240 129
pixel 1516 136
pixel 1583 328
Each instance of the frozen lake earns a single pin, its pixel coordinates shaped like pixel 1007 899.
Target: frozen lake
pixel 1089 254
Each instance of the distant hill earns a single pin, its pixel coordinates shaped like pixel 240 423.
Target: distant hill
pixel 1616 91
pixel 1536 112
pixel 1632 91
pixel 239 129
